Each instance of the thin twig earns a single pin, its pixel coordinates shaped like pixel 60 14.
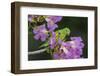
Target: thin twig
pixel 36 52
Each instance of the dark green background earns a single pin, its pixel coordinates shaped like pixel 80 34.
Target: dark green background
pixel 78 27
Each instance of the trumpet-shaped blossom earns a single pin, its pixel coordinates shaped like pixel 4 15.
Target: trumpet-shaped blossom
pixel 52 41
pixel 51 22
pixel 77 42
pixel 40 33
pixel 54 19
pixel 52 27
pixel 70 49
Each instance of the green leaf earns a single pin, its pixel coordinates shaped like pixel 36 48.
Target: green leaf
pixel 40 19
pixel 62 33
pixel 45 44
